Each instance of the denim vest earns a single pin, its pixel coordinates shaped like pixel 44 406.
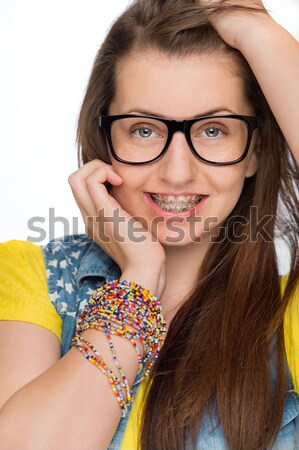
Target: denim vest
pixel 76 266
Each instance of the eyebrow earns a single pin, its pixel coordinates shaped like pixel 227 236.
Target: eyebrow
pixel 221 109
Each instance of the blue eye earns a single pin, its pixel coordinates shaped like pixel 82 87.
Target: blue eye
pixel 144 132
pixel 212 132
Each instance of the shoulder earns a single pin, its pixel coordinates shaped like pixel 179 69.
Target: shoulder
pixel 69 246
pixel 76 258
pixel 18 249
pixel 17 256
pixel 23 286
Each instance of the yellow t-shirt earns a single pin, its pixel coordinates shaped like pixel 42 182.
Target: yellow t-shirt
pixel 23 286
pixel 25 301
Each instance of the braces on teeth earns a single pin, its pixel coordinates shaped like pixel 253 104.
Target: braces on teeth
pixel 178 206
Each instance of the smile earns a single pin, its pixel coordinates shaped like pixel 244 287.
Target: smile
pixel 178 203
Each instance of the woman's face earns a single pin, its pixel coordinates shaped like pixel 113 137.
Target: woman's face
pixel 180 88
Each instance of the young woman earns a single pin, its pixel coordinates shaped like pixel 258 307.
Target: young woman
pixel 189 141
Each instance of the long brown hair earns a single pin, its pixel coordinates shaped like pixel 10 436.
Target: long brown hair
pixel 219 344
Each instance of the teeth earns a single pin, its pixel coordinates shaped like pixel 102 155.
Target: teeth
pixel 178 198
pixel 176 203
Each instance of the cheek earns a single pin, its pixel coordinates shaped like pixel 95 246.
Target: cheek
pixel 133 182
pixel 228 179
pixel 227 185
pixel 131 175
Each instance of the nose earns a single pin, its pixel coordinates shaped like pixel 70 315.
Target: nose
pixel 178 165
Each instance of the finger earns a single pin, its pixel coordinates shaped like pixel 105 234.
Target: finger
pixel 88 168
pixel 77 181
pixel 82 197
pixel 77 184
pixel 103 202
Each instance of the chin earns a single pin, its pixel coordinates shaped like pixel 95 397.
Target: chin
pixel 179 238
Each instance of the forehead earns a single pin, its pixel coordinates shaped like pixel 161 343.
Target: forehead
pixel 178 87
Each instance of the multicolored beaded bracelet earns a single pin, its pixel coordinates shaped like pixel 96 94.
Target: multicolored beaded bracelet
pixel 125 309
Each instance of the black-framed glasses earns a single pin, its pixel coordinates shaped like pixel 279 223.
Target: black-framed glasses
pixel 217 140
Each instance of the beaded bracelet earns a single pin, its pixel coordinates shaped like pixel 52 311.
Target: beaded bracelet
pixel 115 309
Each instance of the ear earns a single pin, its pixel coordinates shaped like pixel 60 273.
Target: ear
pixel 252 164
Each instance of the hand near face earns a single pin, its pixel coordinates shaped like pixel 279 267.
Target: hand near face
pixel 234 24
pixel 108 224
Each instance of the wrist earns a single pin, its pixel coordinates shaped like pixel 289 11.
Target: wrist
pixel 121 310
pixel 253 30
pixel 152 278
pixel 236 27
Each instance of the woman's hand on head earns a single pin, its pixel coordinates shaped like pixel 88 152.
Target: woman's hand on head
pixel 233 25
pixel 109 225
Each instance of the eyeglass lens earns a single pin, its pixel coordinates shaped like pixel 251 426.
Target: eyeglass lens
pixel 215 139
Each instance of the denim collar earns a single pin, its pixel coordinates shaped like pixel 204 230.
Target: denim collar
pixel 96 263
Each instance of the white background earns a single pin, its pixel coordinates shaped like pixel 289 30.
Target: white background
pixel 46 53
